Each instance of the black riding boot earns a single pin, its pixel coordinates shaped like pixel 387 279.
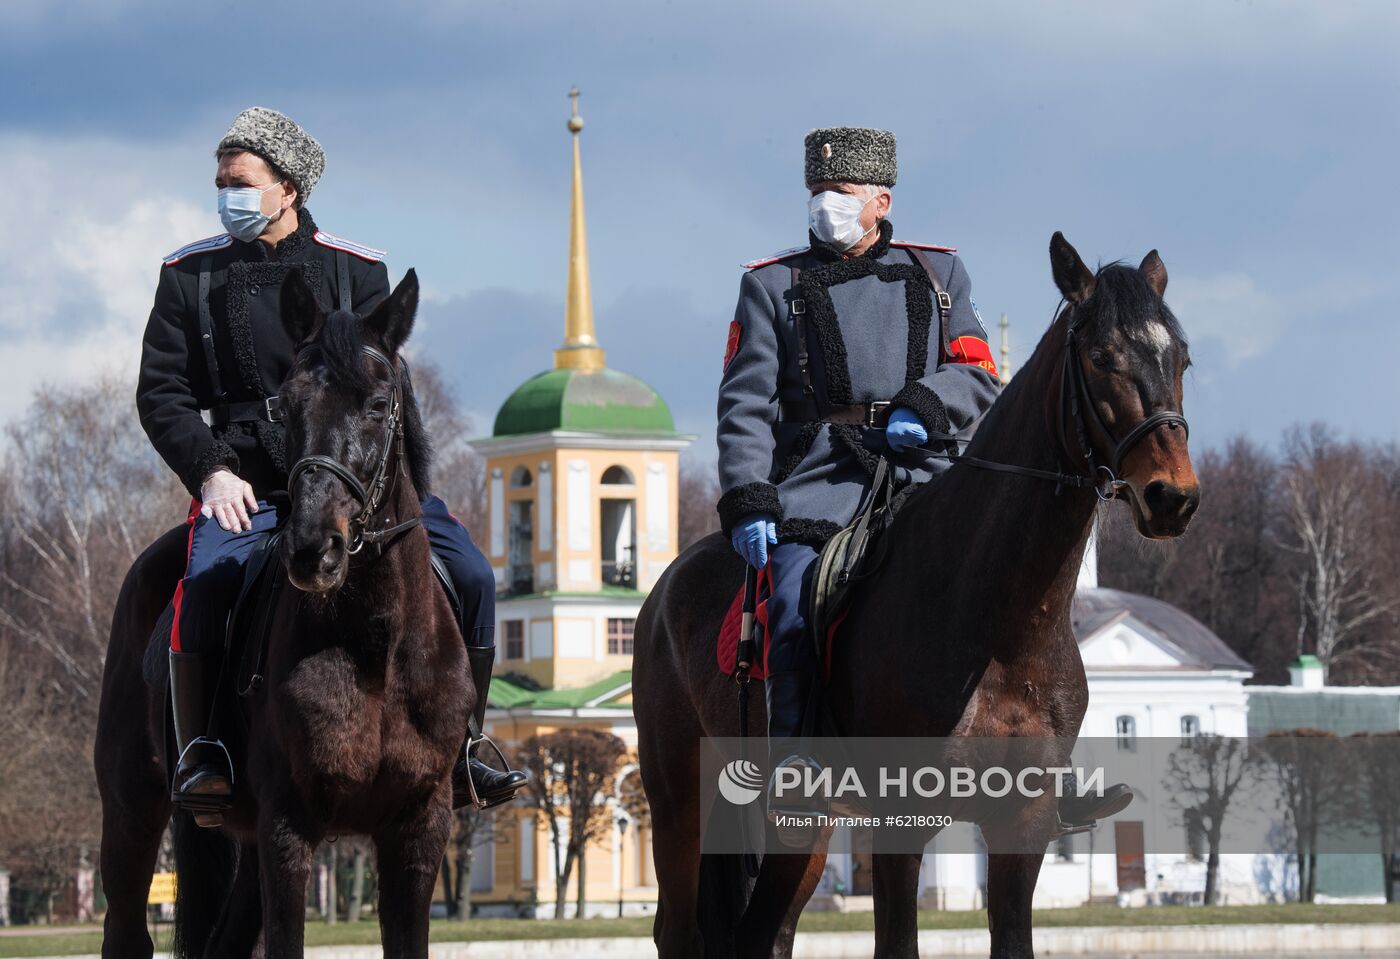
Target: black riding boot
pixel 472 780
pixel 204 777
pixel 787 694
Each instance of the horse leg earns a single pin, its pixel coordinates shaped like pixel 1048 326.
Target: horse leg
pixel 236 935
pixel 410 851
pixel 1011 879
pixel 896 886
pixel 132 825
pixel 676 840
pixel 785 883
pixel 286 842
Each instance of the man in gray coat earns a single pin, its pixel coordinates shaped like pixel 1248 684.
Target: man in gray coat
pixel 841 351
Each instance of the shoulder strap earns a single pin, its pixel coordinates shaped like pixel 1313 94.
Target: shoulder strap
pixel 342 279
pixel 797 309
pixel 206 328
pixel 940 295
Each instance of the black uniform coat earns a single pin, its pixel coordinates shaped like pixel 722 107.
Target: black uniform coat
pixel 253 352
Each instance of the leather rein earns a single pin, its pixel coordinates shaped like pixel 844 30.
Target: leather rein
pixel 371 499
pixel 1075 397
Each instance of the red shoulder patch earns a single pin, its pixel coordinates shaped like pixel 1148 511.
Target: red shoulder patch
pixel 731 348
pixel 925 246
pixel 972 351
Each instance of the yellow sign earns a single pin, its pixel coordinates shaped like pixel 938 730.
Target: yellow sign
pixel 162 889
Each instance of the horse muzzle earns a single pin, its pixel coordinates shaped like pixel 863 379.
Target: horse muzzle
pixel 1163 510
pixel 317 560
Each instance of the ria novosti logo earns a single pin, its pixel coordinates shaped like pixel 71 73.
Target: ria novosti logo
pixel 741 782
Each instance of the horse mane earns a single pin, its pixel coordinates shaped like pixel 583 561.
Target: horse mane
pixel 341 341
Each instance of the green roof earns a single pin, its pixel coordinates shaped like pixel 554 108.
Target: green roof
pixel 591 401
pixel 507 695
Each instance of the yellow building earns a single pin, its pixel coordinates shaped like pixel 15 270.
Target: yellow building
pixel 582 471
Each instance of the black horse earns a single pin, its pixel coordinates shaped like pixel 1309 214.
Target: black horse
pixel 360 715
pixel 965 632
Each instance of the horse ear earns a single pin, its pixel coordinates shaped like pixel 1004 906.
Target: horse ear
pixel 1155 272
pixel 301 311
pixel 392 320
pixel 1075 280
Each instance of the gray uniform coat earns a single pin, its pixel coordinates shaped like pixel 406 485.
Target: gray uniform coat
pixel 873 334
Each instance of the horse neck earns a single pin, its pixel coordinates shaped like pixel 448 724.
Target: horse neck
pixel 1018 540
pixel 382 593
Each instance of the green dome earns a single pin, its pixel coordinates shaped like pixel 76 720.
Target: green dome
pixel 590 401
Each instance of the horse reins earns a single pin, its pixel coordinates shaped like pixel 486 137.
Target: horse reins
pixel 370 499
pixel 1074 396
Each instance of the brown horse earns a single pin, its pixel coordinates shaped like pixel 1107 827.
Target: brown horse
pixel 984 558
pixel 365 694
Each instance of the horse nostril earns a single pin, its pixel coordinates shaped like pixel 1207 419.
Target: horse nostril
pixel 334 542
pixel 1164 499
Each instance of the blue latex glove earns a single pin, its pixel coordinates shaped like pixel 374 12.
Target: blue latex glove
pixel 904 430
pixel 752 536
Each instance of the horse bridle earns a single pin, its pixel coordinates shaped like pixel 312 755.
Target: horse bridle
pixel 1075 395
pixel 370 499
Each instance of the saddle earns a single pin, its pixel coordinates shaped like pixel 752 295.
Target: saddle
pixel 250 619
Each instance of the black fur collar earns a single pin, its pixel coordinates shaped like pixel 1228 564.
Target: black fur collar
pixel 290 247
pixel 879 248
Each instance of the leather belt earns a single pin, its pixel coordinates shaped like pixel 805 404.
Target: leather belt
pixel 861 414
pixel 268 410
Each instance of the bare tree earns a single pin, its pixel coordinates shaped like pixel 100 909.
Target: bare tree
pixel 1377 759
pixel 459 475
pixel 1203 774
pixel 698 492
pixel 572 776
pixel 1328 492
pixel 1315 790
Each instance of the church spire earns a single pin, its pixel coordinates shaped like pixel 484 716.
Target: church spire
pixel 580 350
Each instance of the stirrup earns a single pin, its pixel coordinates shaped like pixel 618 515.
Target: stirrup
pixel 207 809
pixel 477 801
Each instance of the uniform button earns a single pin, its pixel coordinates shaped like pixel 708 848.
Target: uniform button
pixel 253 291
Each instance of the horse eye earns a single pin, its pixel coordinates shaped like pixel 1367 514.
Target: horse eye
pixel 379 409
pixel 1100 358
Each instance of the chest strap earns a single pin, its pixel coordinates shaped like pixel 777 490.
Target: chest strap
pixel 206 329
pixel 874 415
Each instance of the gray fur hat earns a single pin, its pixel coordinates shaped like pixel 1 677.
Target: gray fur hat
pixel 280 141
pixel 851 155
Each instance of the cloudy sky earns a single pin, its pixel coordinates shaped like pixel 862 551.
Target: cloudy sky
pixel 1253 144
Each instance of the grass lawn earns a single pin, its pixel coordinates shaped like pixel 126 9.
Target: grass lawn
pixel 320 934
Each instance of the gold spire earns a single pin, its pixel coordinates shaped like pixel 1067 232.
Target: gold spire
pixel 580 350
pixel 1005 371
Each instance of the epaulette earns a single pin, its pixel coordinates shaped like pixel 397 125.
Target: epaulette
pixel 764 261
pixel 925 246
pixel 349 246
pixel 206 245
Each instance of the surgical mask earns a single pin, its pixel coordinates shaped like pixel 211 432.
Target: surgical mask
pixel 834 219
pixel 240 210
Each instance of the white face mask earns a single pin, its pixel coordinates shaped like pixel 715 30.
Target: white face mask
pixel 240 210
pixel 834 218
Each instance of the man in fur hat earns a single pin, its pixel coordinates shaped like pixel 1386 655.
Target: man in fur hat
pixel 215 342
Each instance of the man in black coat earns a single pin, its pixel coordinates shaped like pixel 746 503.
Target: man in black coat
pixel 215 342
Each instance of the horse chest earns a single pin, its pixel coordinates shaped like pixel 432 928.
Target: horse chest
pixel 353 733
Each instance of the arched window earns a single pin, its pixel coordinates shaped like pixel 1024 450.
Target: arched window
pixel 1190 727
pixel 1127 734
pixel 520 477
pixel 617 476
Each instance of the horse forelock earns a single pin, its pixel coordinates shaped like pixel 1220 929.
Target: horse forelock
pixel 1123 300
pixel 340 344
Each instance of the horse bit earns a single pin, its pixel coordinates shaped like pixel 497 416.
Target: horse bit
pixel 372 499
pixel 1075 394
